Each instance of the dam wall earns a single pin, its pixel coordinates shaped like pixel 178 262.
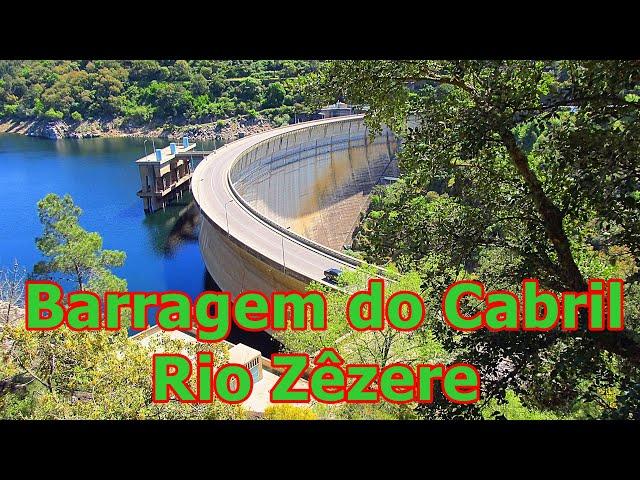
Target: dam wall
pixel 278 206
pixel 316 181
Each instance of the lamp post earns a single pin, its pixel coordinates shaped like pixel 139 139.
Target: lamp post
pixel 284 265
pixel 145 146
pixel 226 215
pixel 194 196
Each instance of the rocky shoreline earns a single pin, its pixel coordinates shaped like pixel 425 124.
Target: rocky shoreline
pixel 222 130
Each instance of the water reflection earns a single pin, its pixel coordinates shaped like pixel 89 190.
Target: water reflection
pixel 95 147
pixel 179 222
pixel 170 228
pixel 174 228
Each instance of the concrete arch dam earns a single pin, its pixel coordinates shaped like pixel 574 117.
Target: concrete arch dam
pixel 278 206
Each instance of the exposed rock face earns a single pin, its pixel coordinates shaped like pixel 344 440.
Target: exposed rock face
pixel 225 130
pixel 52 130
pixel 58 129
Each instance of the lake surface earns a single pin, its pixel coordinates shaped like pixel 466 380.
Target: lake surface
pixel 102 177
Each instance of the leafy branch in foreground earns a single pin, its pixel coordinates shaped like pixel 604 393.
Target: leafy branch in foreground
pixel 513 169
pixel 85 374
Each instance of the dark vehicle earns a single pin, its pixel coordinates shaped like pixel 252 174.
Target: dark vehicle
pixel 332 274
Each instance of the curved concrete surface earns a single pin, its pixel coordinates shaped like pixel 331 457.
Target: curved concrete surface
pixel 317 180
pixel 242 245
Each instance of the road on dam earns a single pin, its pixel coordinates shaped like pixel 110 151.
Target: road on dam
pixel 221 205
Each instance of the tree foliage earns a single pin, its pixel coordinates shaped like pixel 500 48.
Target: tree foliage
pixel 511 170
pixel 142 91
pixel 382 348
pixel 66 374
pixel 62 374
pixel 288 412
pixel 71 252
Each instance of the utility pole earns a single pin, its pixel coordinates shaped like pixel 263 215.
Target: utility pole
pixel 226 215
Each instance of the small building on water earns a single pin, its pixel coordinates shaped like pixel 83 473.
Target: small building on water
pixel 338 109
pixel 165 175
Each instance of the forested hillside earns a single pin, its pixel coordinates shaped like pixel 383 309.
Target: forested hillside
pixel 139 92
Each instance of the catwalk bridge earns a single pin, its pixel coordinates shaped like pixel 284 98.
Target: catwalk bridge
pixel 278 207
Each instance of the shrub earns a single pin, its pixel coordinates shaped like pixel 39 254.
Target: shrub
pixel 139 113
pixel 281 120
pixel 76 116
pixel 288 412
pixel 274 96
pixel 53 114
pixel 10 110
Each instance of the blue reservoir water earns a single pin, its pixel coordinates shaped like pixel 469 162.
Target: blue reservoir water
pixel 102 177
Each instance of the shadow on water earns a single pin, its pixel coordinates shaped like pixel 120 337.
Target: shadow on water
pixel 185 229
pixel 173 226
pixel 178 225
pixel 259 340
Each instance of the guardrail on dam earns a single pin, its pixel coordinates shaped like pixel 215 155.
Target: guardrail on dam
pixel 277 206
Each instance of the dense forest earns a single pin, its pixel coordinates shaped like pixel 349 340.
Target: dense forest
pixel 149 91
pixel 510 170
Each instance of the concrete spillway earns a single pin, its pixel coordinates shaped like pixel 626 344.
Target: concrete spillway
pixel 278 206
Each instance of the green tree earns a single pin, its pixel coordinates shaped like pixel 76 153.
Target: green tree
pixel 382 347
pixel 199 85
pixel 513 169
pixel 69 250
pixel 66 374
pixel 274 95
pixel 62 374
pixel 170 99
pixel 181 71
pixel 114 89
pixel 145 71
pixel 52 114
pixel 249 89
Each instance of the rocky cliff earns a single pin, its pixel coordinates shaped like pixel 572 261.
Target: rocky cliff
pixel 225 130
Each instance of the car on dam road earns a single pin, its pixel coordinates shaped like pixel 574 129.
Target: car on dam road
pixel 332 274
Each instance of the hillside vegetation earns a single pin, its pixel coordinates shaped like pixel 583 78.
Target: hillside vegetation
pixel 141 92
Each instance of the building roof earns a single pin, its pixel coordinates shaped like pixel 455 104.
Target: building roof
pixel 242 354
pixel 337 106
pixel 166 154
pixel 260 397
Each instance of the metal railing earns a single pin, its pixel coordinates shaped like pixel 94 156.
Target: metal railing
pixel 285 232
